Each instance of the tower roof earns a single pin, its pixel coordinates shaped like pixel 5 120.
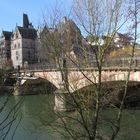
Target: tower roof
pixel 25 21
pixel 7 35
pixel 28 33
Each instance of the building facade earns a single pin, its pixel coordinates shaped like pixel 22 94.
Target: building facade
pixel 5 49
pixel 122 40
pixel 24 44
pixel 64 42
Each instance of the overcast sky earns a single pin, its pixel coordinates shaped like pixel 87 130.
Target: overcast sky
pixel 11 11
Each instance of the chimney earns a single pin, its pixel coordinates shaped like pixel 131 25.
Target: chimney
pixel 25 21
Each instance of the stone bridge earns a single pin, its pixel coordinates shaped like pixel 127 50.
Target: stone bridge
pixel 79 78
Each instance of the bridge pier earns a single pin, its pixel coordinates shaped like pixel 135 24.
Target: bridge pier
pixel 63 101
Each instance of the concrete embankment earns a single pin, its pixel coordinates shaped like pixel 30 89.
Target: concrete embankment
pixel 38 86
pixel 7 86
pixel 30 86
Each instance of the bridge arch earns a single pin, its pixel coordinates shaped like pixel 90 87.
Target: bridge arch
pixel 52 76
pixel 78 79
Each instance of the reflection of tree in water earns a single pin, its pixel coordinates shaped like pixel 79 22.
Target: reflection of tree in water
pixel 37 115
pixel 10 116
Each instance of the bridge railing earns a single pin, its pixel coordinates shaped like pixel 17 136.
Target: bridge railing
pixel 41 66
pixel 119 63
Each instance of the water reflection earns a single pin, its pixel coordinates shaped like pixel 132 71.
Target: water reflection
pixel 37 114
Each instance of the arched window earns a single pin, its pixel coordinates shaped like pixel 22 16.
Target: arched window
pixel 18 45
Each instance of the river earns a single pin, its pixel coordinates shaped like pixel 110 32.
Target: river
pixel 37 113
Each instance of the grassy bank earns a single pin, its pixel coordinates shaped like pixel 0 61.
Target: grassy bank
pixel 112 93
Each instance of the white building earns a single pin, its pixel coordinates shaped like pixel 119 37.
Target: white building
pixel 24 44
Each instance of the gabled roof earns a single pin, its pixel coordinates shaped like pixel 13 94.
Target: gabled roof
pixel 67 24
pixel 7 35
pixel 27 33
pixel 125 36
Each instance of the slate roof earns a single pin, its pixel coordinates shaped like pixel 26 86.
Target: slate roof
pixel 7 35
pixel 27 33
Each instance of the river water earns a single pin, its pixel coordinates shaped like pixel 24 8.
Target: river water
pixel 36 114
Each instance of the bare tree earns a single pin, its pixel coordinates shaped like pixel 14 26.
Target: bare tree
pixel 100 20
pixel 134 12
pixel 10 117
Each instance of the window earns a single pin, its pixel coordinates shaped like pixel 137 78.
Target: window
pixel 18 45
pixel 16 57
pixel 16 52
pixel 29 55
pixel 16 35
pixel 31 45
pixel 26 45
pixel 15 46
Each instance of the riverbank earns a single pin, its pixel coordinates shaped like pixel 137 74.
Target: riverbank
pixel 29 87
pixel 38 86
pixel 112 93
